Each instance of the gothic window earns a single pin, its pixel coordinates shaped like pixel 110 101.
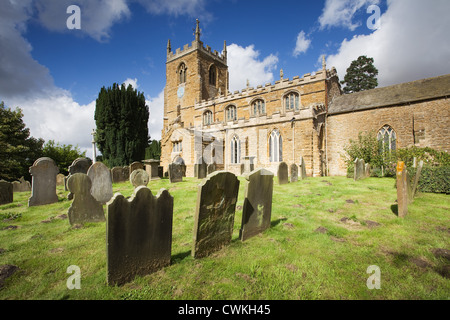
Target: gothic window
pixel 275 146
pixel 258 107
pixel 230 113
pixel 212 75
pixel 207 118
pixel 292 101
pixel 182 73
pixel 177 146
pixel 235 150
pixel 387 139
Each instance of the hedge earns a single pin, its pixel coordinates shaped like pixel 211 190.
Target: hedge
pixel 433 179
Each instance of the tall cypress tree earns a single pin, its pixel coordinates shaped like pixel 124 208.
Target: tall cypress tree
pixel 361 75
pixel 121 116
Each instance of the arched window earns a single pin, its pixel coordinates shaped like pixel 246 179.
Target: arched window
pixel 235 150
pixel 387 139
pixel 212 75
pixel 177 146
pixel 231 113
pixel 258 107
pixel 292 101
pixel 182 73
pixel 275 146
pixel 207 118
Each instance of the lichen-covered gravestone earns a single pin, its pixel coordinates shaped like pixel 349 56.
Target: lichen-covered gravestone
pixel 294 172
pixel 84 207
pixel 139 177
pixel 175 173
pixel 404 190
pixel 257 208
pixel 359 170
pixel 214 215
pixel 79 165
pixel 6 192
pixel 282 173
pixel 43 186
pixel 101 188
pixel 120 174
pixel 138 234
pixel 21 186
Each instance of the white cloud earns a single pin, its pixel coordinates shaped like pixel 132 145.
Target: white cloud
pixel 411 44
pixel 191 8
pixel 155 121
pixel 302 44
pixel 340 13
pixel 244 64
pixel 133 83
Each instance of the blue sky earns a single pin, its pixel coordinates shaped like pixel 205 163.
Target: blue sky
pixel 54 74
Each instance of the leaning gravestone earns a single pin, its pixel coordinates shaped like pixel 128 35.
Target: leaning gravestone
pixel 175 173
pixel 43 186
pixel 294 172
pixel 214 215
pixel 6 192
pixel 21 186
pixel 359 169
pixel 101 188
pixel 302 168
pixel 257 208
pixel 79 165
pixel 84 207
pixel 139 177
pixel 282 173
pixel 138 234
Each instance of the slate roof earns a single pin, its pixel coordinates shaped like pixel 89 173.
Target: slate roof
pixel 398 94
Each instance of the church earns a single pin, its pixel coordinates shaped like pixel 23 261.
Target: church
pixel 289 120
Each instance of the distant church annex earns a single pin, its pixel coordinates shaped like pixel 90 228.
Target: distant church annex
pixel 305 117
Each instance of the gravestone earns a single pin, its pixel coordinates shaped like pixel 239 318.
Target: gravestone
pixel 120 174
pixel 248 165
pixel 282 173
pixel 6 192
pixel 43 186
pixel 214 215
pixel 151 166
pixel 138 234
pixel 100 176
pixel 79 165
pixel 60 179
pixel 294 172
pixel 84 207
pixel 160 172
pixel 175 173
pixel 417 178
pixel 403 192
pixel 136 165
pixel 302 171
pixel 367 170
pixel 180 161
pixel 21 186
pixel 257 208
pixel 359 169
pixel 200 169
pixel 210 168
pixel 139 177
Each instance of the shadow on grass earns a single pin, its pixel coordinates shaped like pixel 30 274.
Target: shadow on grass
pixel 179 257
pixel 394 209
pixel 276 222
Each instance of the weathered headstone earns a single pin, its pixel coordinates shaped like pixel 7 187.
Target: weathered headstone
pixel 248 165
pixel 136 165
pixel 282 173
pixel 214 216
pixel 79 165
pixel 60 179
pixel 417 178
pixel 175 173
pixel 100 176
pixel 181 162
pixel 200 169
pixel 120 174
pixel 294 172
pixel 302 171
pixel 402 189
pixel 84 207
pixel 21 186
pixel 257 208
pixel 6 192
pixel 138 234
pixel 359 169
pixel 151 166
pixel 43 186
pixel 367 170
pixel 139 177
pixel 210 168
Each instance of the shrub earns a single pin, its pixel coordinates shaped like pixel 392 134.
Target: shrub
pixel 433 179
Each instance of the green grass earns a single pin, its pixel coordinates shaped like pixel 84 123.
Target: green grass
pixel 288 261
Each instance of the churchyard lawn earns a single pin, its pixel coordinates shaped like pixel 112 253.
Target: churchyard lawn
pixel 325 233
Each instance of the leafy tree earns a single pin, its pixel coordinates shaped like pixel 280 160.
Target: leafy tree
pixel 153 151
pixel 361 75
pixel 121 117
pixel 18 150
pixel 62 154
